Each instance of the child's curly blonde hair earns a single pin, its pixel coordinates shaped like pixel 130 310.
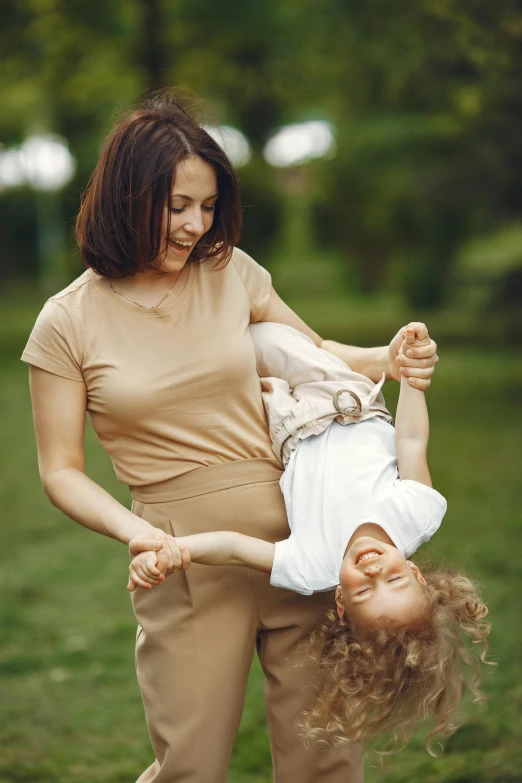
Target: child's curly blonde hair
pixel 385 681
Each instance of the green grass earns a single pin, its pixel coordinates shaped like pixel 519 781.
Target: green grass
pixel 70 708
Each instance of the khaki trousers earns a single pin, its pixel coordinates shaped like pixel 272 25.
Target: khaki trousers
pixel 198 632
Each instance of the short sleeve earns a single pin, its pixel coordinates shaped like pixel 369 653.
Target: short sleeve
pixel 431 504
pixel 52 345
pixel 412 514
pixel 257 282
pixel 288 568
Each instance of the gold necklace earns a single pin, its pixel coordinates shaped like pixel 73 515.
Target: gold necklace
pixel 144 307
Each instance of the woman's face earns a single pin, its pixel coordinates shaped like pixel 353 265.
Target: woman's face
pixel 377 581
pixel 194 196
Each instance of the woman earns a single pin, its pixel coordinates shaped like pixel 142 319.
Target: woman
pixel 152 343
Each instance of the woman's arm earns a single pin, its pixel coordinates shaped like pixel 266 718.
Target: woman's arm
pixel 412 428
pixel 371 362
pixel 278 312
pixel 418 365
pixel 228 548
pixel 59 407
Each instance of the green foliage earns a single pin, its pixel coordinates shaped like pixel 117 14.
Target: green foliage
pixel 494 254
pixel 424 95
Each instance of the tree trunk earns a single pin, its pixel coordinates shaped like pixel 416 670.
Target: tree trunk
pixel 153 55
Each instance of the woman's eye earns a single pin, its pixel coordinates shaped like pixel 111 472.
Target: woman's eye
pixel 394 578
pixel 181 209
pixel 361 592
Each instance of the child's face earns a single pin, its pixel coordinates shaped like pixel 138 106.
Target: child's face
pixel 377 581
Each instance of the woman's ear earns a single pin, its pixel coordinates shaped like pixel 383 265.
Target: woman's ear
pixel 416 573
pixel 339 601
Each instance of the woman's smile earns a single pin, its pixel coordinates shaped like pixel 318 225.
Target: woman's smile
pixel 181 247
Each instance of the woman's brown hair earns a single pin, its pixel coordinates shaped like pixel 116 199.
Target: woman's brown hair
pixel 385 682
pixel 118 228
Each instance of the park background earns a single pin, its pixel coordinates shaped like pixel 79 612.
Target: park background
pixel 413 212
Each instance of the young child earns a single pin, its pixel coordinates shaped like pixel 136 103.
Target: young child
pixel 359 501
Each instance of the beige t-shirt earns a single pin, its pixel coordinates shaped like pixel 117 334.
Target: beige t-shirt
pixel 168 390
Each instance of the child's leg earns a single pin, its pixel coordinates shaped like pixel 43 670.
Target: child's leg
pixel 283 352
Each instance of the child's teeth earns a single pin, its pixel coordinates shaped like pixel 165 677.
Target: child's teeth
pixel 368 555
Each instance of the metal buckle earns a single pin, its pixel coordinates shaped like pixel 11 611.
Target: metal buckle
pixel 349 411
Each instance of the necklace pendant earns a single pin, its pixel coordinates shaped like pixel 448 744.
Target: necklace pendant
pixel 144 307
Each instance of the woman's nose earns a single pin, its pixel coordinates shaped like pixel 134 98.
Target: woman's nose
pixel 195 222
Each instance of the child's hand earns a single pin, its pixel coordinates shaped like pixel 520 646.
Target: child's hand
pixel 143 571
pixel 415 358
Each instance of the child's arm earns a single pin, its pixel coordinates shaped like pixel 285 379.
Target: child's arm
pixel 228 548
pixel 412 425
pixel 215 548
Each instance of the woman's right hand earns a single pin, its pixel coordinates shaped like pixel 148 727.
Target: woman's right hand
pixel 417 359
pixel 170 556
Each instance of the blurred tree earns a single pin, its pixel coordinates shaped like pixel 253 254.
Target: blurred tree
pixel 425 95
pixel 18 240
pixel 428 141
pixel 155 59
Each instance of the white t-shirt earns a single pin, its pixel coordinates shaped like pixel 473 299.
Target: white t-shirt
pixel 337 481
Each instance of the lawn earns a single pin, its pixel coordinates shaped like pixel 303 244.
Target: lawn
pixel 70 708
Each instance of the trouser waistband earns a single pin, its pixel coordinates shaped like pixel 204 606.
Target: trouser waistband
pixel 211 479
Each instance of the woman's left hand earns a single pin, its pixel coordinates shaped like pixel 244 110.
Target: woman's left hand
pixel 418 363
